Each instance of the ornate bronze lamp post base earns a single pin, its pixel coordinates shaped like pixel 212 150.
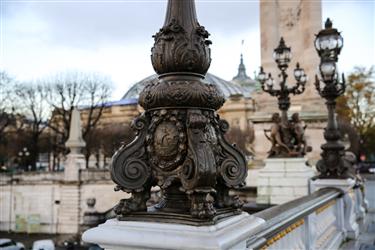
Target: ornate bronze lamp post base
pixel 180 143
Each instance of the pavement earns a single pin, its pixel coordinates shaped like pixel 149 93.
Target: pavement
pixel 366 239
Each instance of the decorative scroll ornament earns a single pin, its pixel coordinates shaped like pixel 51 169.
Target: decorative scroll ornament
pixel 180 143
pixel 130 170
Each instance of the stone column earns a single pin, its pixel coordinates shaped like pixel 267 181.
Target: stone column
pixel 69 212
pixel 297 21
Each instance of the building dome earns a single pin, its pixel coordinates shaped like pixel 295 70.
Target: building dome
pixel 228 88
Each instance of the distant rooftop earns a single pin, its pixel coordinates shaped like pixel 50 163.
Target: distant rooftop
pixel 243 80
pixel 228 88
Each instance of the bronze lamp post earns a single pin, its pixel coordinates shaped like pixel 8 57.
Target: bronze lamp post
pixel 285 145
pixel 180 143
pixel 328 44
pixel 282 56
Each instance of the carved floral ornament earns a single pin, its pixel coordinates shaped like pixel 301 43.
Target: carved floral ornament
pixel 176 50
pixel 180 143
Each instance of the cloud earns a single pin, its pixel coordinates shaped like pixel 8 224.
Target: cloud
pixel 113 37
pixel 90 24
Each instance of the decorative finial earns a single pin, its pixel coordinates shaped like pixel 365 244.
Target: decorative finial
pixel 328 24
pixel 282 42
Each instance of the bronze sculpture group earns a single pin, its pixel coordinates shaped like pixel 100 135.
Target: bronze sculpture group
pixel 287 140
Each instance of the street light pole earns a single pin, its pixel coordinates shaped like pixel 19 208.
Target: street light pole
pixel 328 44
pixel 282 56
pixel 24 154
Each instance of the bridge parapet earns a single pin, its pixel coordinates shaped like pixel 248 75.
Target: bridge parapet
pixel 321 220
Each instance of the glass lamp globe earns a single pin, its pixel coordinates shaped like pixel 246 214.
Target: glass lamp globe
pixel 270 82
pixel 303 78
pixel 328 70
pixel 329 42
pixel 261 75
pixel 298 72
pixel 282 54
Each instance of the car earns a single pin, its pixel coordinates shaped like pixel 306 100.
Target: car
pixel 43 245
pixel 8 244
pixel 367 167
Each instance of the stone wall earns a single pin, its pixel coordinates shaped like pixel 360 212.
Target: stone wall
pixel 46 203
pixel 28 195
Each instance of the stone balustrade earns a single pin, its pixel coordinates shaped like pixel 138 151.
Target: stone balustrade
pixel 322 220
pixel 369 188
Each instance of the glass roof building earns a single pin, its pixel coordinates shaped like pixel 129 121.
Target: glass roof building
pixel 228 88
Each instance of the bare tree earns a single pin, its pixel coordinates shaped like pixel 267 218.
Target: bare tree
pixel 87 91
pixel 32 103
pixel 105 140
pixel 7 114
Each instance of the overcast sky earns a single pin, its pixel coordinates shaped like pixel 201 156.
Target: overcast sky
pixel 39 38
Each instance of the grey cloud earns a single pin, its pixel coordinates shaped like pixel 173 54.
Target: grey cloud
pixel 91 24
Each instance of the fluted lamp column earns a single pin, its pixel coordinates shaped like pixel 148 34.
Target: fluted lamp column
pixel 180 143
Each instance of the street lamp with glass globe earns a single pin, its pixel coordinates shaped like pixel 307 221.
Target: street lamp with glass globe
pixel 282 56
pixel 23 155
pixel 328 44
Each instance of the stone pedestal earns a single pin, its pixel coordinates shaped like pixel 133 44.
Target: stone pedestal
pixel 283 180
pixel 74 162
pixel 346 186
pixel 231 233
